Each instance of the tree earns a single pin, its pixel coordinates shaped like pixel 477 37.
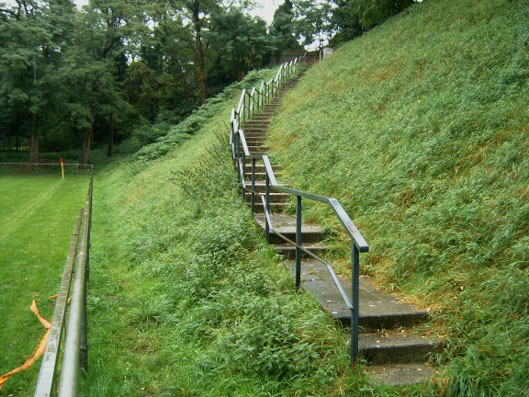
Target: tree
pixel 374 12
pixel 90 69
pixel 346 22
pixel 241 42
pixel 32 37
pixel 313 21
pixel 283 29
pixel 199 13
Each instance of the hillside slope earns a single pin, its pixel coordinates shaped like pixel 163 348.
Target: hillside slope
pixel 420 128
pixel 185 296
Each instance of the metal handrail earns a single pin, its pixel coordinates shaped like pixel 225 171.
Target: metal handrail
pixel 328 265
pixel 241 155
pixel 75 345
pixel 359 244
pixel 339 211
pixel 245 111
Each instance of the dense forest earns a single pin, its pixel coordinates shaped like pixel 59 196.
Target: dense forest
pixel 72 79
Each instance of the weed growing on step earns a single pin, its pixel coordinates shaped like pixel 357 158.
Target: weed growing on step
pixel 420 129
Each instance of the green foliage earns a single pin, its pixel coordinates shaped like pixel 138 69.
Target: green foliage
pixel 187 298
pixel 373 12
pixel 73 79
pixel 241 42
pixel 313 21
pixel 346 21
pixel 419 127
pixel 283 28
pixel 149 142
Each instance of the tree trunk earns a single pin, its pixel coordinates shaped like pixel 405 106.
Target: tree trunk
pixel 110 150
pixel 87 139
pixel 33 141
pixel 199 53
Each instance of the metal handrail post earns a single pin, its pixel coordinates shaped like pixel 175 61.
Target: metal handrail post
pixel 298 241
pixel 253 185
pixel 267 201
pixel 237 143
pixel 243 108
pixel 356 299
pixel 242 176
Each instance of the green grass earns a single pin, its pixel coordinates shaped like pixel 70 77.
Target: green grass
pixel 420 128
pixel 186 298
pixel 37 219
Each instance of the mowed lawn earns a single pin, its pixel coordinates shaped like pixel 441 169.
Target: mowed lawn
pixel 37 219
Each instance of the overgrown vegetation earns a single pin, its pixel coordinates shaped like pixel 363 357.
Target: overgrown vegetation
pixel 420 128
pixel 186 298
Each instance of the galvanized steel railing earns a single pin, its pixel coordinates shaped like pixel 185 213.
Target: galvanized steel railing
pixel 254 100
pixel 75 355
pixel 240 155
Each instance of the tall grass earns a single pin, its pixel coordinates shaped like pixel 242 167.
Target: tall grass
pixel 185 296
pixel 420 128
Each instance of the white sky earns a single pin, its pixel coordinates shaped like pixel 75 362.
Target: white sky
pixel 263 8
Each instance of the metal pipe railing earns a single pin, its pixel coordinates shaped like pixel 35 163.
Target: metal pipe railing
pixel 50 359
pixel 359 244
pixel 75 344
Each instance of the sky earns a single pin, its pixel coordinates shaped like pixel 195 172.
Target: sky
pixel 264 8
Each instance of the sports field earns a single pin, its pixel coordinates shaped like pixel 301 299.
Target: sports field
pixel 37 219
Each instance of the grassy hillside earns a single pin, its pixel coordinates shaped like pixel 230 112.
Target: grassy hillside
pixel 185 296
pixel 420 128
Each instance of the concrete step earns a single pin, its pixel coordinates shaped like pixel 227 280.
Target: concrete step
pixel 259 167
pixel 286 225
pixel 262 124
pixel 256 141
pixel 274 197
pixel 395 347
pixel 378 309
pixel 274 207
pixel 264 118
pixel 259 176
pixel 257 147
pixel 260 186
pixel 289 251
pixel 400 374
pixel 253 136
pixel 255 132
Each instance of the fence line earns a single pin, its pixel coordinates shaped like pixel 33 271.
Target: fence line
pixel 75 345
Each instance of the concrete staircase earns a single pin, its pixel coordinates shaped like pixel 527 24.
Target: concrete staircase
pixel 389 340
